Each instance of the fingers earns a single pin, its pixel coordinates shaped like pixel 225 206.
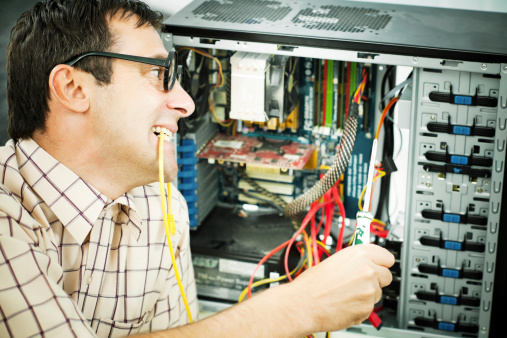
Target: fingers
pixel 380 278
pixel 379 255
pixel 385 277
pixel 378 295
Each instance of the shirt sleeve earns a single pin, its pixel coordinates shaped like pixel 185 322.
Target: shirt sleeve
pixel 32 301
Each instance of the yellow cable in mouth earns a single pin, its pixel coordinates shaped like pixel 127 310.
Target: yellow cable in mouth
pixel 169 224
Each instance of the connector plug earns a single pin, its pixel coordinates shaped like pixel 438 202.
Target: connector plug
pixel 375 320
pixel 354 109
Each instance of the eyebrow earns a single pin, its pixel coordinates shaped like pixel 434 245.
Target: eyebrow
pixel 159 56
pixel 145 66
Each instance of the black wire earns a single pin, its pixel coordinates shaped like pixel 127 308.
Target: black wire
pixel 198 90
pixel 388 148
pixel 388 153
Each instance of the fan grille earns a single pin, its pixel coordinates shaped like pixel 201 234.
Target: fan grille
pixel 242 11
pixel 342 19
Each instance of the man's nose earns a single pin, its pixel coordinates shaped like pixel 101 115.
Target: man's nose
pixel 178 99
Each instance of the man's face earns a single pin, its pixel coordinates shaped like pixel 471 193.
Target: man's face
pixel 126 110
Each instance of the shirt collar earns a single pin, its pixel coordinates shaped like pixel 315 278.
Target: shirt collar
pixel 132 212
pixel 75 202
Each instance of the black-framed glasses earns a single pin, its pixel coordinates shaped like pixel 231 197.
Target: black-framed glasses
pixel 171 68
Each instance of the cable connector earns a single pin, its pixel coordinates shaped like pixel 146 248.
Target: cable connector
pixel 389 165
pixel 375 320
pixel 172 224
pixel 354 110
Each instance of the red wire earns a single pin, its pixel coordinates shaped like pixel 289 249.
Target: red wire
pixel 333 192
pixel 329 212
pixel 329 215
pixel 321 219
pixel 380 233
pixel 321 249
pixel 307 218
pixel 265 258
pixel 314 240
pixel 341 207
pixel 298 246
pixel 359 94
pixel 384 113
pixel 313 234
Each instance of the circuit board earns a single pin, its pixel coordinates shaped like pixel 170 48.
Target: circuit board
pixel 261 151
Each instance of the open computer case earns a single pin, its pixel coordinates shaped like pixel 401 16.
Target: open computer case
pixel 273 113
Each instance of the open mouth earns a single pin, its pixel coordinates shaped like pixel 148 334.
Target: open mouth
pixel 161 130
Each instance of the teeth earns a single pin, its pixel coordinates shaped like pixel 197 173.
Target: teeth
pixel 163 130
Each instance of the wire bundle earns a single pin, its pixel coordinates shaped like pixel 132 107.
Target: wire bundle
pixel 279 201
pixel 311 249
pixel 202 92
pixel 326 190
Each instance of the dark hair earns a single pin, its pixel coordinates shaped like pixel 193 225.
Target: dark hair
pixel 50 33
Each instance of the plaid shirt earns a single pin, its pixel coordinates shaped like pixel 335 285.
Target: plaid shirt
pixel 76 263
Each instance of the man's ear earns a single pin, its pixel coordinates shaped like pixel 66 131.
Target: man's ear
pixel 67 85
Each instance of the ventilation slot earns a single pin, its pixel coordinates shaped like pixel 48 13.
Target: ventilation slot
pixel 343 19
pixel 242 11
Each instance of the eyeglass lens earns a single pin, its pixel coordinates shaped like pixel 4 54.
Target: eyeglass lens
pixel 170 72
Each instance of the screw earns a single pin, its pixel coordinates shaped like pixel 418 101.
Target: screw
pixel 428 185
pixel 414 60
pixel 484 66
pixel 479 190
pixel 505 68
pixel 432 117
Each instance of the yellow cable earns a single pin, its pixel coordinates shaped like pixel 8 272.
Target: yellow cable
pixel 351 240
pixel 218 85
pixel 269 280
pixel 323 246
pixel 169 225
pixel 308 249
pixel 220 122
pixel 381 174
pixel 265 281
pixel 222 80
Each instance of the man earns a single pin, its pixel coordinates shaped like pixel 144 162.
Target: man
pixel 82 244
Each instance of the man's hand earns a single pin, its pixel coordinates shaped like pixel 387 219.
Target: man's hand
pixel 338 293
pixel 342 290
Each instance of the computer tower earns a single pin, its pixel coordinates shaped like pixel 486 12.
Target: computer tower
pixel 287 70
